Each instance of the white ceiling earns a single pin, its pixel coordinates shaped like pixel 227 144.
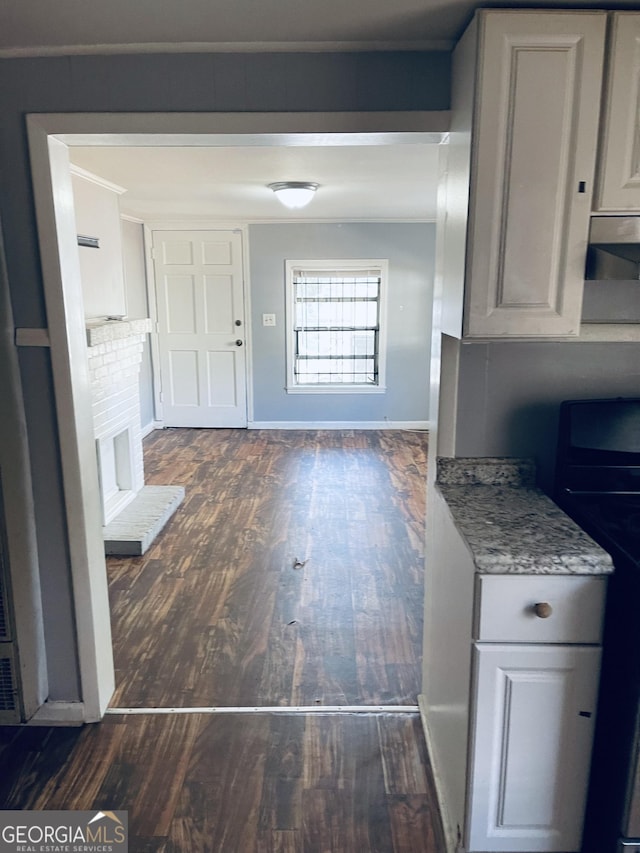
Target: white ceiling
pixel 364 183
pixel 67 26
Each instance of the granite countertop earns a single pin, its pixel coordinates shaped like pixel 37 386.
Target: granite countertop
pixel 509 525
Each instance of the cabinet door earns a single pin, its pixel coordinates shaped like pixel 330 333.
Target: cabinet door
pixel 534 147
pixel 529 759
pixel 619 159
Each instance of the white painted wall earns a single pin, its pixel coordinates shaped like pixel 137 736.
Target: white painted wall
pixel 138 308
pixel 98 215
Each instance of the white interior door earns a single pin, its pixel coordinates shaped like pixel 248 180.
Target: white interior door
pixel 201 327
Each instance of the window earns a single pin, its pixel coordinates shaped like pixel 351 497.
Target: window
pixel 335 312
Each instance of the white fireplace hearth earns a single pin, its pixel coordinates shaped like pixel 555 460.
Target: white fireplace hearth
pixel 132 514
pixel 116 471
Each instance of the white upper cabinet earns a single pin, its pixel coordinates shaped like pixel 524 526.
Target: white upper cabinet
pixel 619 162
pixel 538 87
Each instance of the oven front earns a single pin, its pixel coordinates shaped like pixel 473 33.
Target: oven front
pixel 598 485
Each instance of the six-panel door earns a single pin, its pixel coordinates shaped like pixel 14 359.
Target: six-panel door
pixel 201 333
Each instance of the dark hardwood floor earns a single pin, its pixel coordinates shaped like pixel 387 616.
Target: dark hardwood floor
pixel 314 783
pixel 291 575
pixel 218 612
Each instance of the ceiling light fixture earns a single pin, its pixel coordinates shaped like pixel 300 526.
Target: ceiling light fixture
pixel 294 194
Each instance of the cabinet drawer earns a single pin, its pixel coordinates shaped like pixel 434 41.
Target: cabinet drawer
pixel 539 608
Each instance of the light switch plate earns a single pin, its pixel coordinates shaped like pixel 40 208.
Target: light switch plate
pixel 268 319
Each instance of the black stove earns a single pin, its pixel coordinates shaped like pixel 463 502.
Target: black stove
pixel 598 470
pixel 613 520
pixel 598 485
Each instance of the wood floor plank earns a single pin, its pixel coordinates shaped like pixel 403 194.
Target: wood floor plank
pixel 247 783
pixel 413 827
pixel 279 841
pixel 79 779
pixel 154 754
pixel 327 821
pixel 215 612
pixel 403 761
pixel 34 760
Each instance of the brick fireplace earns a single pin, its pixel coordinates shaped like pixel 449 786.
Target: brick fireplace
pixel 132 513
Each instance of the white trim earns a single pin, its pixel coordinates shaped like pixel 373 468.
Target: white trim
pixel 248 128
pixel 198 224
pixel 378 264
pixel 273 709
pixel 53 196
pixel 248 327
pixel 128 218
pixel 79 172
pixel 57 240
pixel 59 713
pixel 284 219
pixel 431 45
pixel 337 389
pixel 154 346
pixel 150 427
pixel 450 833
pixel 418 426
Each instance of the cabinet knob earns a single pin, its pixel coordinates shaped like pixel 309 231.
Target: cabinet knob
pixel 543 609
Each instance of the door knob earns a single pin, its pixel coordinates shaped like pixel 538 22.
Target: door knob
pixel 238 322
pixel 238 343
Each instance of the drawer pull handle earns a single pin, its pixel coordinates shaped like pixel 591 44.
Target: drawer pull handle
pixel 543 609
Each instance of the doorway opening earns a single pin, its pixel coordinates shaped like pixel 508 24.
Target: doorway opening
pixel 49 138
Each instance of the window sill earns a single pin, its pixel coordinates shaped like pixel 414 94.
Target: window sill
pixel 336 389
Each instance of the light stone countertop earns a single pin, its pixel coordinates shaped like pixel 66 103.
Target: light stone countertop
pixel 515 528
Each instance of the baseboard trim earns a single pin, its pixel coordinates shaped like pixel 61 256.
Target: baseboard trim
pixel 59 714
pixel 450 834
pixel 419 426
pixel 150 427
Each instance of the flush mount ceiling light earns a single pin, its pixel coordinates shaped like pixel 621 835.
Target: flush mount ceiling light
pixel 294 193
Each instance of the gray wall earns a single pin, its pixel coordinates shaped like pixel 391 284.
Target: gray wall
pixel 151 83
pixel 509 393
pixel 409 248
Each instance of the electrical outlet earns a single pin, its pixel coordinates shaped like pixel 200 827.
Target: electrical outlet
pixel 268 319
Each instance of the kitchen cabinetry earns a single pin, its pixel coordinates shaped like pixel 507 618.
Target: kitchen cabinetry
pixel 511 667
pixel 533 711
pixel 619 159
pixel 533 148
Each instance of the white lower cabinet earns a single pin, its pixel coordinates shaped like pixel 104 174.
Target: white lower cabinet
pixel 511 677
pixel 533 712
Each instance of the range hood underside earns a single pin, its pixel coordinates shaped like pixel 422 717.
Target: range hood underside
pixel 614 248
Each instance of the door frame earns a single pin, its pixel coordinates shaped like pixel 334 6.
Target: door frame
pixel 195 225
pixel 49 136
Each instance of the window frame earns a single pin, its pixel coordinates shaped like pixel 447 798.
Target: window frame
pixel 356 264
